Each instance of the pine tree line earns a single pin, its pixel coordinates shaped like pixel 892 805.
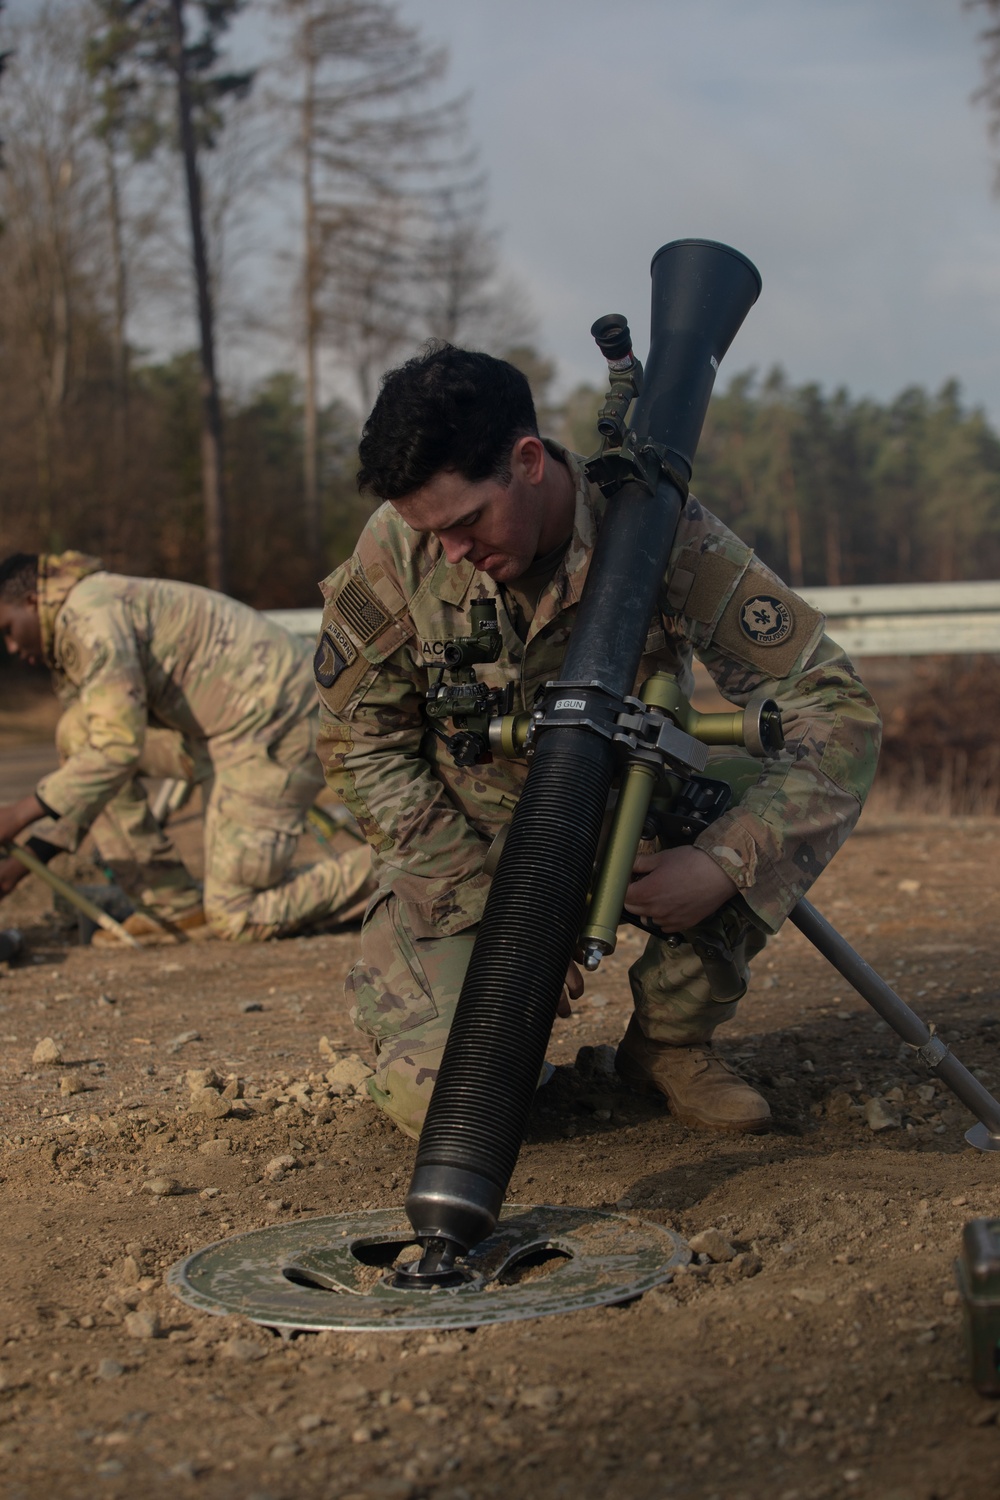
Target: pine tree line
pixel 389 244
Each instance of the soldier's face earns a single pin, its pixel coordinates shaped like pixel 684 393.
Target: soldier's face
pixel 499 528
pixel 21 628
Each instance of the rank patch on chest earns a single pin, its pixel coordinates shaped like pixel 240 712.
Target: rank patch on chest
pixel 765 620
pixel 361 610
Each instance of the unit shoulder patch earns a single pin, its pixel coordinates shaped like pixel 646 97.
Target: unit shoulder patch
pixel 334 654
pixel 766 625
pixel 766 620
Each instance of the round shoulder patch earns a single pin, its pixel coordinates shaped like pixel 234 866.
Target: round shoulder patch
pixel 765 620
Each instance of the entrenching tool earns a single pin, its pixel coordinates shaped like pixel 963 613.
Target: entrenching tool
pixel 69 892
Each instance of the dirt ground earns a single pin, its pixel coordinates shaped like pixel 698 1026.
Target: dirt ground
pixel 825 1361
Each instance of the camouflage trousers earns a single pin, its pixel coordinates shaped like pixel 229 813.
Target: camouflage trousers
pixel 255 810
pixel 404 991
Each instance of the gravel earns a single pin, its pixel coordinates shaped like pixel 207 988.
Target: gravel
pixel 142 1324
pixel 162 1187
pixel 244 1351
pixel 712 1243
pixel 878 1116
pixel 279 1166
pixel 209 1102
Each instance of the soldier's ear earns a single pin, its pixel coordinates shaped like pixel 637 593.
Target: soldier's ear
pixel 528 454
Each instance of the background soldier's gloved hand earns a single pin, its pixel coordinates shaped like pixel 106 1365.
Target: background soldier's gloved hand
pixel 677 888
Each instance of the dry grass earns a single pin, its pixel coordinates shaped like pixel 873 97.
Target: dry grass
pixel 957 791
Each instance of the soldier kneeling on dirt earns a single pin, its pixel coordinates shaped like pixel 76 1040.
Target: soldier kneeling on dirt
pixel 481 508
pixel 165 679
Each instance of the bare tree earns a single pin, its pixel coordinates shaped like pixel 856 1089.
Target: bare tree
pixel 989 92
pixel 371 142
pixel 142 42
pixel 462 296
pixel 5 57
pixel 113 97
pixel 50 199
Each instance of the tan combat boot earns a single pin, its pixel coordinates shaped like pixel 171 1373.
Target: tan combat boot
pixel 703 1092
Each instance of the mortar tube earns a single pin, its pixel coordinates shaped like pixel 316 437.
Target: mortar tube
pixel 472 1134
pixel 904 1021
pixel 537 901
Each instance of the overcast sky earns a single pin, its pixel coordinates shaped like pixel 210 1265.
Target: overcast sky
pixel 832 141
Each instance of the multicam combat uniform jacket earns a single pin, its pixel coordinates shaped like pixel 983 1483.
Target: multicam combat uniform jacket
pixel 135 652
pixel 430 823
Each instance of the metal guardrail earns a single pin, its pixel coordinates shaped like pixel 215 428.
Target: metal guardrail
pixel 298 621
pixel 912 619
pixel 890 619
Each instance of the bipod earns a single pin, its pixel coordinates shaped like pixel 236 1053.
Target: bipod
pixel 905 1022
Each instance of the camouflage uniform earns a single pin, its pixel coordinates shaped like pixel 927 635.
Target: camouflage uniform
pixel 430 823
pixel 166 679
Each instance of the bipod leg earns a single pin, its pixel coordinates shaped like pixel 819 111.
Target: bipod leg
pixel 905 1022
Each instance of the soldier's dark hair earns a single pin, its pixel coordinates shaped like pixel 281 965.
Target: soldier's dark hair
pixel 19 576
pixel 445 409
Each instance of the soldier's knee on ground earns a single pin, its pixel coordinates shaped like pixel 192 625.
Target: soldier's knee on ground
pixel 403 992
pixel 405 1074
pixel 336 889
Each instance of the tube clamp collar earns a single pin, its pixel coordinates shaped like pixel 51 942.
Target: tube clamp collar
pixel 934 1051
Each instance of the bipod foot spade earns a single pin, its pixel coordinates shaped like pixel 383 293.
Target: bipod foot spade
pixel 982 1138
pixel 361 1271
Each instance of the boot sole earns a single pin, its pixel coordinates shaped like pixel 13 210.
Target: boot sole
pixel 729 1127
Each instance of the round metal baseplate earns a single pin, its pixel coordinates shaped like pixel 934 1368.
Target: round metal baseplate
pixel 336 1272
